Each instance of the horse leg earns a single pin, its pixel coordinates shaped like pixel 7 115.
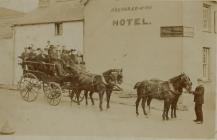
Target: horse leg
pixel 108 94
pixel 167 110
pixel 71 96
pixel 101 93
pixel 91 97
pixel 143 105
pixel 85 95
pixel 78 97
pixel 164 110
pixel 137 104
pixel 172 109
pixel 175 106
pixel 149 104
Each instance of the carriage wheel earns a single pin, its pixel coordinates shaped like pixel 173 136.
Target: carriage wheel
pixel 73 93
pixel 29 87
pixel 53 93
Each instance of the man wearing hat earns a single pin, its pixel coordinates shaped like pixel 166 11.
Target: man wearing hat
pixel 53 58
pixel 40 55
pixel 48 44
pixel 24 56
pixel 32 53
pixel 199 101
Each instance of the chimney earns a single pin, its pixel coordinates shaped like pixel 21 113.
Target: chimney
pixel 43 3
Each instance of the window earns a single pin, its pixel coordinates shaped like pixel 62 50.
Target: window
pixel 215 21
pixel 206 17
pixel 58 28
pixel 206 63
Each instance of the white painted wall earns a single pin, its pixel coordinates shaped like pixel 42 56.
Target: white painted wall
pixel 6 62
pixel 139 50
pixel 39 35
pixel 192 47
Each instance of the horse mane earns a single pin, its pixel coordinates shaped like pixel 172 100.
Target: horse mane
pixel 175 79
pixel 176 82
pixel 108 73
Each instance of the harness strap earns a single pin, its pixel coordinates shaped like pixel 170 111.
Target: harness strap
pixel 171 87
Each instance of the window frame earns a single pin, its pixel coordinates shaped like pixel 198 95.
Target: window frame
pixel 58 29
pixel 208 18
pixel 206 63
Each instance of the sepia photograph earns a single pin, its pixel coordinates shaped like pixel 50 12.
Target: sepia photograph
pixel 108 69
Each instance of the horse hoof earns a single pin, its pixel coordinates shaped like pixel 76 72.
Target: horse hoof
pixel 167 118
pixel 145 114
pixel 137 113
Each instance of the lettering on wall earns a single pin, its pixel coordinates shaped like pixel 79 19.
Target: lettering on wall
pixel 131 21
pixel 130 8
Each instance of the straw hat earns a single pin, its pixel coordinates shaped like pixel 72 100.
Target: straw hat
pixel 7 129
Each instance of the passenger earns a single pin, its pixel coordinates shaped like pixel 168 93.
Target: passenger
pixel 25 55
pixel 40 55
pixel 48 44
pixel 45 54
pixel 53 58
pixel 32 53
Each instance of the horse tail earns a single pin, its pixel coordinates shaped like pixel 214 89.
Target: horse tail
pixel 137 85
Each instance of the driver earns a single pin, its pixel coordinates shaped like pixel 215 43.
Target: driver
pixel 53 57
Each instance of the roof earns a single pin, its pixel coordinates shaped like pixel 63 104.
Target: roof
pixel 61 12
pixel 7 18
pixel 8 13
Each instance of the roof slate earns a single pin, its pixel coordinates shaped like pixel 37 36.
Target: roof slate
pixel 7 18
pixel 61 12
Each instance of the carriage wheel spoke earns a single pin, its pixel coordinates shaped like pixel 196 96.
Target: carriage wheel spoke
pixel 28 87
pixel 26 93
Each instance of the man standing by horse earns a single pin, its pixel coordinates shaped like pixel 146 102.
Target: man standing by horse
pixel 199 101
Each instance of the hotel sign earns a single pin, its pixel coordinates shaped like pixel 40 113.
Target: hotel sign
pixel 130 21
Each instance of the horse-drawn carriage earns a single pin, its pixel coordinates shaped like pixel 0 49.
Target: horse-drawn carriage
pixel 41 75
pixel 45 75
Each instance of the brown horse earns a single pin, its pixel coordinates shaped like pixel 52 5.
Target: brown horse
pixel 91 83
pixel 113 78
pixel 169 91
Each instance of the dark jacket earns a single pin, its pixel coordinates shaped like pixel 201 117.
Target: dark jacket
pixel 199 95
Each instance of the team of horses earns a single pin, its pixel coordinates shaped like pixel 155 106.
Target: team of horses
pixel 93 83
pixel 168 91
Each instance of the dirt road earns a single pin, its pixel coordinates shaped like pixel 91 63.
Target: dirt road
pixel 39 118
